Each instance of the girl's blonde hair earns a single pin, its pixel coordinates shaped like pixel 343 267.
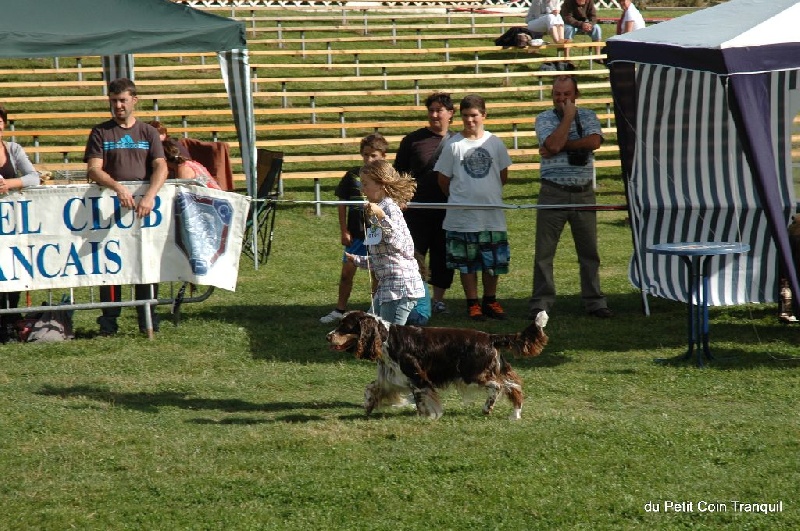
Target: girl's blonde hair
pixel 398 186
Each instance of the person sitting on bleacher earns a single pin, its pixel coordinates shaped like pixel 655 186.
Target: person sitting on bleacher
pixel 631 19
pixel 16 172
pixel 544 16
pixel 580 16
pixel 184 167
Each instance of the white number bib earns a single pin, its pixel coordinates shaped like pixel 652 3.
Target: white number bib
pixel 373 236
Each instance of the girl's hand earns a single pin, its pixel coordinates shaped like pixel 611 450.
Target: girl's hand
pixel 372 209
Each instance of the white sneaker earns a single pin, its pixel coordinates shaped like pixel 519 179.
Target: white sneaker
pixel 334 317
pixel 439 307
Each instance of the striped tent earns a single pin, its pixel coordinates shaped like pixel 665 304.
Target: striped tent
pixel 115 29
pixel 705 106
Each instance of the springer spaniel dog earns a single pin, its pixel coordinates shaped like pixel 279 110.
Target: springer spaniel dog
pixel 419 361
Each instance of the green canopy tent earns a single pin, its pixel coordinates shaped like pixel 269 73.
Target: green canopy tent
pixel 116 29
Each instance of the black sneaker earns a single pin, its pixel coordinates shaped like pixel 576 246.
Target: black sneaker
pixel 602 313
pixel 108 325
pixel 494 310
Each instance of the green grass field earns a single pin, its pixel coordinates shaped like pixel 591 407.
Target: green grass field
pixel 241 418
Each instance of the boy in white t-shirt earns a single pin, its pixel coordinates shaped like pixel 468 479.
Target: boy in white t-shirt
pixel 473 168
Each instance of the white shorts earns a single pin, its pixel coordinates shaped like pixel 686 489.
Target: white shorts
pixel 544 23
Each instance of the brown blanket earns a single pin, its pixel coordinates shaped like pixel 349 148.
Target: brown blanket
pixel 215 156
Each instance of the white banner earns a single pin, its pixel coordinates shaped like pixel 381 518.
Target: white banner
pixel 72 236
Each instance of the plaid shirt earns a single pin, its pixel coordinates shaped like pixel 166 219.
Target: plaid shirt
pixel 392 260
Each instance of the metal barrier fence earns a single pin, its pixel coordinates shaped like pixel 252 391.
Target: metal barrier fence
pixel 53 300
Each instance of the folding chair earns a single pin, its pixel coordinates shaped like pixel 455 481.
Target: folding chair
pixel 260 228
pixel 215 156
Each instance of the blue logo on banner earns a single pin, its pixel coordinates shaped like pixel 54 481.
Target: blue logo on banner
pixel 202 227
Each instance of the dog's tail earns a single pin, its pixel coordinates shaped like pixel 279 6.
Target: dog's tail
pixel 528 343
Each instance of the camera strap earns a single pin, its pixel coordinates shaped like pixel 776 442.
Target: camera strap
pixel 578 125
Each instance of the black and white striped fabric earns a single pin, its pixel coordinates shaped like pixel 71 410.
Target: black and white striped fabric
pixel 692 182
pixel 235 66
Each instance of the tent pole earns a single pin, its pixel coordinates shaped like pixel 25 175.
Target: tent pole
pixel 637 250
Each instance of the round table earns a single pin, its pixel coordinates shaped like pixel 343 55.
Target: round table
pixel 697 257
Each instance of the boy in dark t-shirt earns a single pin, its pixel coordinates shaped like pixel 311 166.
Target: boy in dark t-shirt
pixel 127 153
pixel 417 155
pixel 351 221
pixel 125 149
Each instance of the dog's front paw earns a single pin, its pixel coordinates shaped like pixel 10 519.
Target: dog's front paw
pixel 371 398
pixel 428 404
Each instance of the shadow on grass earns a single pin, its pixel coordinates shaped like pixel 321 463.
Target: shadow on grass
pixel 244 421
pixel 294 333
pixel 726 359
pixel 299 418
pixel 153 402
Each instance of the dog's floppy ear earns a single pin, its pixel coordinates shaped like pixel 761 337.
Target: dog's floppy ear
pixel 370 342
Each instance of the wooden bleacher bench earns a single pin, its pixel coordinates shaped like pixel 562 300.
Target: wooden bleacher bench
pixel 79 73
pixel 365 15
pixel 328 41
pixel 289 159
pixel 27 118
pixel 330 51
pixel 97 71
pixel 525 108
pixel 403 125
pixel 102 84
pixel 379 79
pixel 213 67
pixel 476 64
pixel 154 99
pixel 394 28
pixel 194 82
